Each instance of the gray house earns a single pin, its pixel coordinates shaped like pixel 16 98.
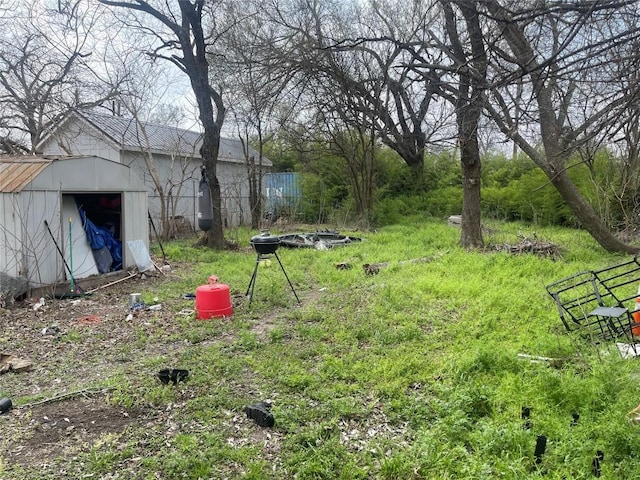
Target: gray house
pixel 42 236
pixel 169 154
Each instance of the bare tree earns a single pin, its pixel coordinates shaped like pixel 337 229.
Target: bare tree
pixel 562 52
pixel 356 144
pixel 359 52
pixel 138 96
pixel 44 71
pixel 185 40
pixel 258 92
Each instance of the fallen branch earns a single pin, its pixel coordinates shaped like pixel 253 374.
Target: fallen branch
pixel 112 283
pixel 553 362
pixel 64 396
pixel 344 266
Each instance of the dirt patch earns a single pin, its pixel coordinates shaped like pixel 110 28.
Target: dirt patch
pixel 74 344
pixel 63 428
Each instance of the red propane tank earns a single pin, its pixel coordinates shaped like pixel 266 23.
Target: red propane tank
pixel 213 300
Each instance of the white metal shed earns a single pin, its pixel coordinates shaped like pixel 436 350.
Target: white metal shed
pixel 42 238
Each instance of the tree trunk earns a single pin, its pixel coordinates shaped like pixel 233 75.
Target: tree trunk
pixel 209 152
pixel 471 231
pixel 255 201
pixel 469 107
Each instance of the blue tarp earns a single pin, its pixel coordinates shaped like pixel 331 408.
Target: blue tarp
pixel 99 237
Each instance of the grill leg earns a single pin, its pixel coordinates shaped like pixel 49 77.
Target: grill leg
pixel 252 283
pixel 286 276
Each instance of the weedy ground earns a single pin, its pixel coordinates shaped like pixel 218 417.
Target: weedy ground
pixel 419 371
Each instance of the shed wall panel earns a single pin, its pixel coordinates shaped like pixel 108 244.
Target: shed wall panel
pixel 41 260
pixel 136 224
pixel 11 235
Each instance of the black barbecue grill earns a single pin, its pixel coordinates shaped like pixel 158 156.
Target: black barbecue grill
pixel 266 246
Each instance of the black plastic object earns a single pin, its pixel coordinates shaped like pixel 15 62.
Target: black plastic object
pixel 541 447
pixel 172 375
pixel 575 418
pixel 597 463
pixel 5 405
pixel 205 214
pixel 526 418
pixel 261 414
pixel 265 243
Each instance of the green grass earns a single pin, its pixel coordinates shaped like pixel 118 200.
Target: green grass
pixel 411 373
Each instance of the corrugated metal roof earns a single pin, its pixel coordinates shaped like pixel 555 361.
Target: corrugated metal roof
pixel 130 135
pixel 17 172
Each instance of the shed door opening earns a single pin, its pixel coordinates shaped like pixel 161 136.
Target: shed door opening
pixel 100 216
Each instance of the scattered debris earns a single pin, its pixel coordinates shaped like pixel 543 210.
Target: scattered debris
pixel 525 415
pixel 88 320
pixel 134 274
pixel 51 330
pixel 138 306
pixel 529 245
pixel 321 240
pixel 172 375
pixel 261 414
pixel 344 266
pixel 634 415
pixel 455 220
pixel 134 298
pixel 575 418
pixel 541 447
pixel 627 350
pixel 374 268
pixel 38 305
pixel 553 362
pixel 11 363
pixel 5 405
pixel 597 462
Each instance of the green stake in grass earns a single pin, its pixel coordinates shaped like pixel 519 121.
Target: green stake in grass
pixel 72 286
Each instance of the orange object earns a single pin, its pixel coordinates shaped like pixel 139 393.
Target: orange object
pixel 635 329
pixel 213 300
pixel 88 320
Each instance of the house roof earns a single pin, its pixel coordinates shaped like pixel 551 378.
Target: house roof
pixel 17 172
pixel 131 135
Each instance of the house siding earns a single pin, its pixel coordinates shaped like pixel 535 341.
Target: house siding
pixel 186 173
pixel 80 138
